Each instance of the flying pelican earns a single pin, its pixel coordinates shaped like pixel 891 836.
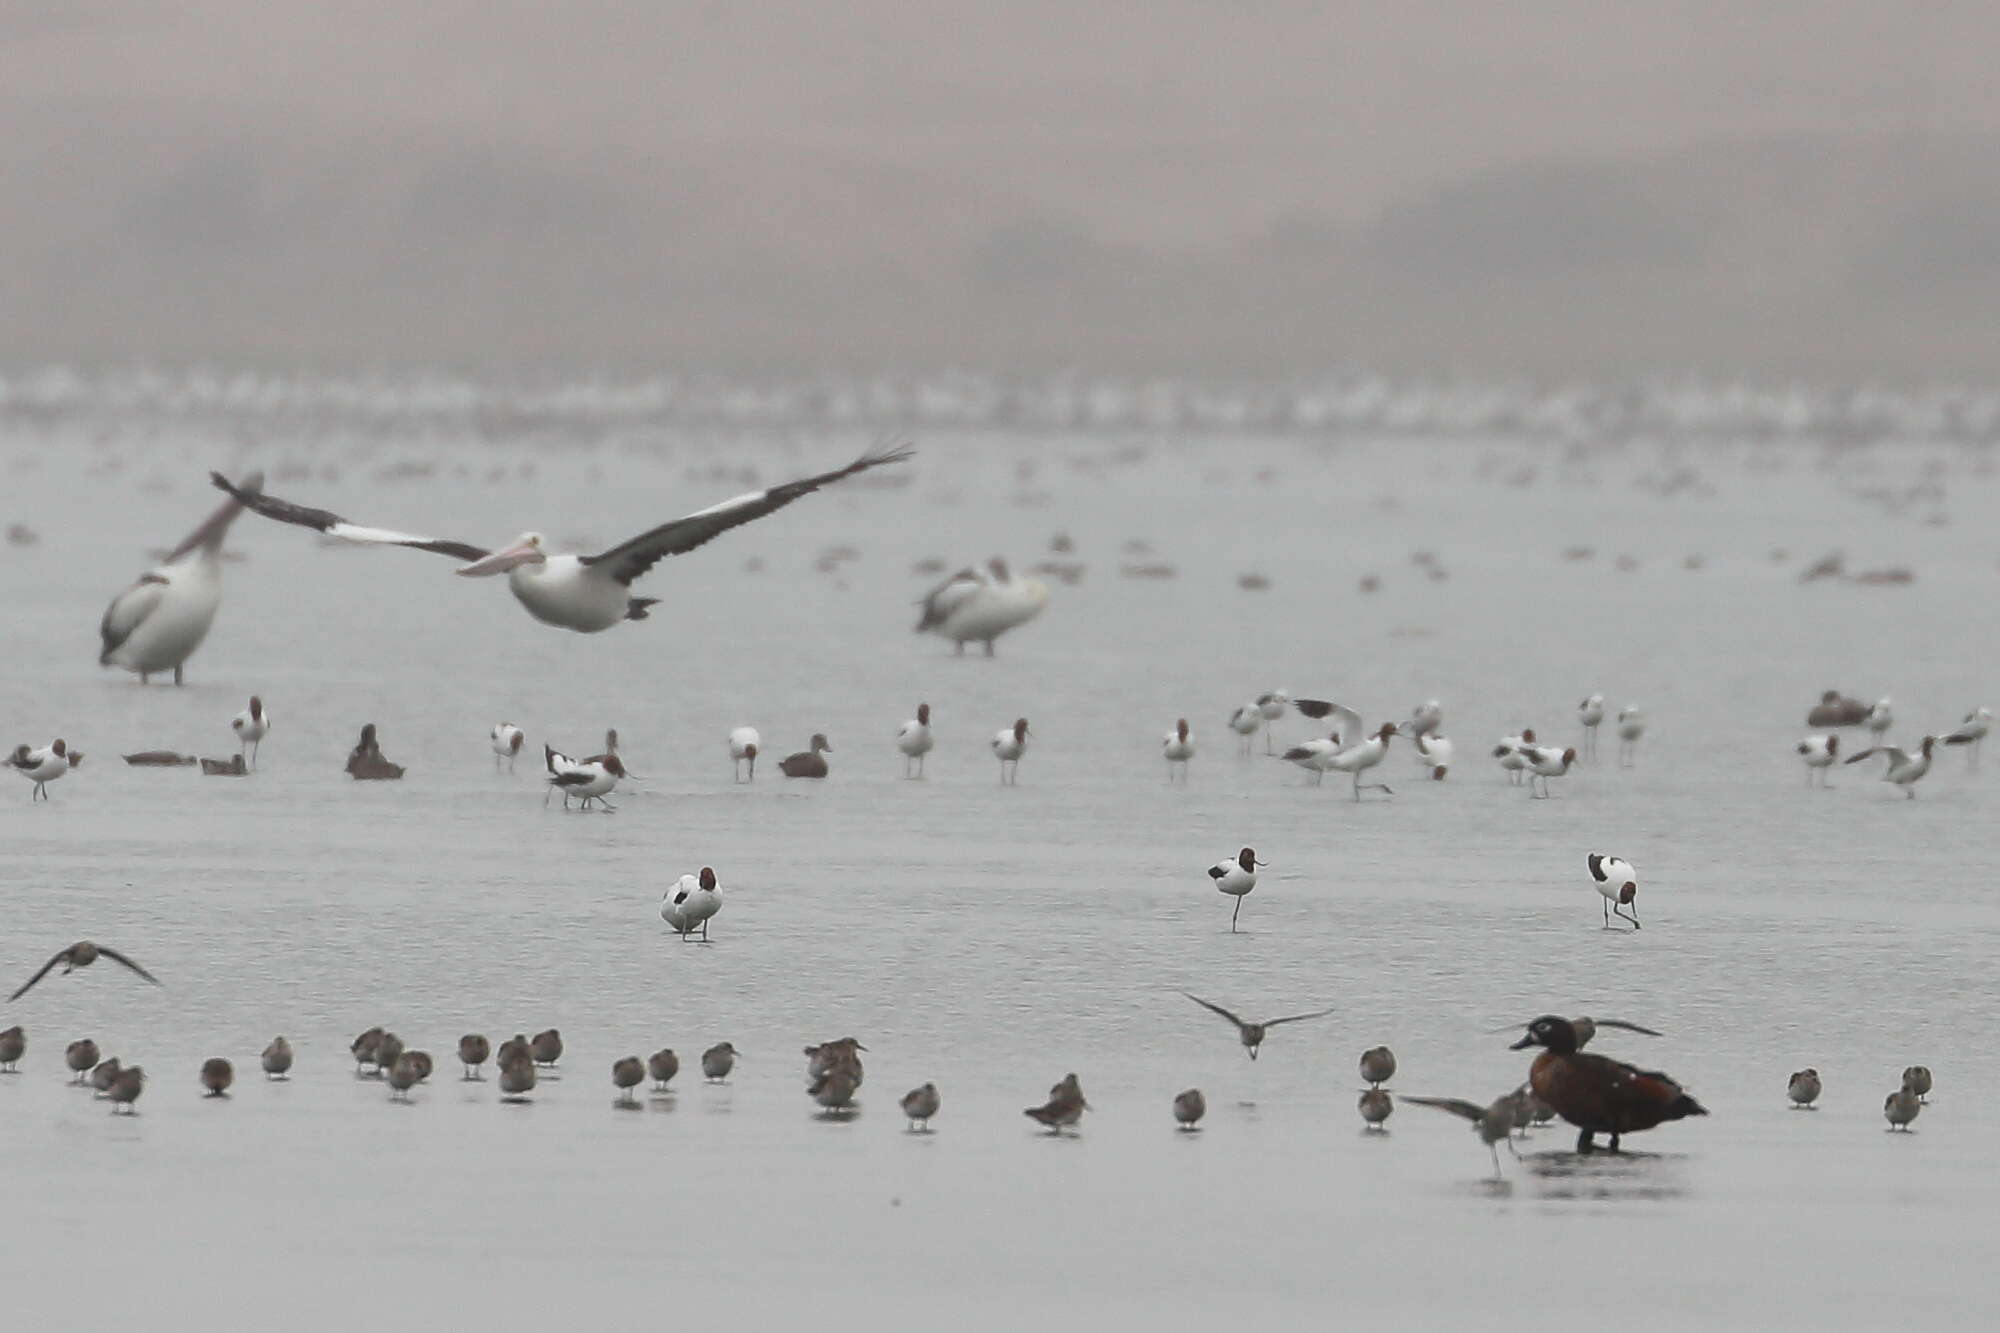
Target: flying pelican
pixel 158 622
pixel 586 593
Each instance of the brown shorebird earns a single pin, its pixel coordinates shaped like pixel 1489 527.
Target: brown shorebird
pixel 517 1078
pixel 826 1056
pixel 13 1045
pixel 626 1075
pixel 1375 1106
pixel 1493 1123
pixel 919 1105
pixel 81 1057
pixel 472 1052
pixel 216 1075
pixel 402 1076
pixel 388 1050
pixel 105 1075
pixel 547 1048
pixel 131 1082
pixel 1378 1066
pixel 663 1064
pixel 422 1060
pixel 1190 1107
pixel 835 1089
pixel 1901 1108
pixel 1803 1089
pixel 1917 1078
pixel 516 1045
pixel 278 1059
pixel 1252 1034
pixel 81 954
pixel 363 1048
pixel 717 1061
pixel 1064 1107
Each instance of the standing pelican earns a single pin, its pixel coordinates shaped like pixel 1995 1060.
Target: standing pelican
pixel 158 622
pixel 585 593
pixel 980 605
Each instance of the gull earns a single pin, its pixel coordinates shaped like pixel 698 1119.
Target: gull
pixel 1252 1034
pixel 1971 733
pixel 81 954
pixel 1904 769
pixel 585 593
pixel 914 739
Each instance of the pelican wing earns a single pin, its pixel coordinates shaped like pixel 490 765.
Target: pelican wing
pixel 947 597
pixel 128 611
pixel 117 957
pixel 333 525
pixel 28 985
pixel 216 526
pixel 1457 1106
pixel 628 560
pixel 1217 1009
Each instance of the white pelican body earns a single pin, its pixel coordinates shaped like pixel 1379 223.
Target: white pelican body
pixel 1618 883
pixel 158 622
pixel 40 767
pixel 1817 753
pixel 1591 713
pixel 1512 754
pixel 506 740
pixel 981 605
pixel 585 593
pixel 1972 733
pixel 1545 762
pixel 744 743
pixel 1631 726
pixel 1177 747
pixel 691 902
pixel 251 725
pixel 1008 747
pixel 1904 768
pixel 1236 877
pixel 914 739
pixel 1245 722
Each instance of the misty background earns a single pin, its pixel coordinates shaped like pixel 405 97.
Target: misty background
pixel 1228 187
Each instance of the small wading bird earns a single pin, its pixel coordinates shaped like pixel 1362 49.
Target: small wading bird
pixel 1236 877
pixel 1008 747
pixel 506 741
pixel 1904 769
pixel 1356 758
pixel 1591 713
pixel 591 779
pixel 1900 1108
pixel 81 954
pixel 1618 883
pixel 1378 1066
pixel 1803 1089
pixel 1375 1107
pixel 691 902
pixel 743 745
pixel 277 1059
pixel 1972 734
pixel 1252 1034
pixel 158 622
pixel 251 726
pixel 1064 1107
pixel 979 605
pixel 1595 1093
pixel 585 593
pixel 919 1105
pixel 1189 1107
pixel 717 1061
pixel 1818 753
pixel 42 766
pixel 1177 749
pixel 1631 726
pixel 1494 1123
pixel 913 738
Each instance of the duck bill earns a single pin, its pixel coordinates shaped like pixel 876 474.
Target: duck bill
pixel 1523 1044
pixel 500 562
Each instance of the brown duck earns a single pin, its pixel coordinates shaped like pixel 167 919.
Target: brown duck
pixel 1595 1093
pixel 808 763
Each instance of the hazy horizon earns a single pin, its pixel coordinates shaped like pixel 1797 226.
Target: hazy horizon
pixel 1181 187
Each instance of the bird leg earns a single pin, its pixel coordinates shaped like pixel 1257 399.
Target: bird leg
pixel 1607 913
pixel 177 675
pixel 989 647
pixel 1614 1143
pixel 1633 917
pixel 1232 916
pixel 1584 1141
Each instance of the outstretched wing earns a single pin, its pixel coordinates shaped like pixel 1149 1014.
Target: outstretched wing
pixel 628 560
pixel 1347 721
pixel 1457 1106
pixel 333 525
pixel 117 957
pixel 27 985
pixel 1628 1027
pixel 1217 1009
pixel 1295 1018
pixel 947 597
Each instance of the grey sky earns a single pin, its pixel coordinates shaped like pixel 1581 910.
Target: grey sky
pixel 1252 187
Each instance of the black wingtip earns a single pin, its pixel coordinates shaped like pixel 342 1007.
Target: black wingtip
pixel 1313 707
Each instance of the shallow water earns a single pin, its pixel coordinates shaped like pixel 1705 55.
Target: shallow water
pixel 993 939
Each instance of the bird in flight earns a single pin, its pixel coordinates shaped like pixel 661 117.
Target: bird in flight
pixel 1252 1034
pixel 81 954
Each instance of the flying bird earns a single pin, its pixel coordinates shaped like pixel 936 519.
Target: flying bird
pixel 81 954
pixel 1252 1034
pixel 585 593
pixel 1494 1124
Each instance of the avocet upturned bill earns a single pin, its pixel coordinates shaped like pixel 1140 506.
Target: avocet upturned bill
pixel 914 739
pixel 588 779
pixel 1545 762
pixel 1590 713
pixel 1618 883
pixel 1236 877
pixel 691 902
pixel 41 767
pixel 1008 747
pixel 1818 753
pixel 1971 733
pixel 506 741
pixel 585 593
pixel 1178 748
pixel 743 746
pixel 251 726
pixel 979 605
pixel 1904 768
pixel 158 622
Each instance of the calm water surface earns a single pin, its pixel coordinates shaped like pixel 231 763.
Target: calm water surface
pixel 994 939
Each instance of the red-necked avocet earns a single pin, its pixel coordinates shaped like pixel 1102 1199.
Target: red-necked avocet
pixel 1545 762
pixel 1246 721
pixel 251 725
pixel 914 739
pixel 743 747
pixel 506 741
pixel 1178 748
pixel 691 901
pixel 1008 747
pixel 1236 876
pixel 1591 714
pixel 590 780
pixel 1971 733
pixel 1631 726
pixel 42 766
pixel 1512 754
pixel 1904 769
pixel 1818 753
pixel 1618 882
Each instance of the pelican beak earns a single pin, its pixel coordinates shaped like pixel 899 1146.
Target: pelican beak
pixel 501 561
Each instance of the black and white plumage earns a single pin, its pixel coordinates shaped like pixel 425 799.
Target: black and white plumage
pixel 1904 769
pixel 81 954
pixel 586 593
pixel 587 779
pixel 1818 754
pixel 1971 733
pixel 1618 883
